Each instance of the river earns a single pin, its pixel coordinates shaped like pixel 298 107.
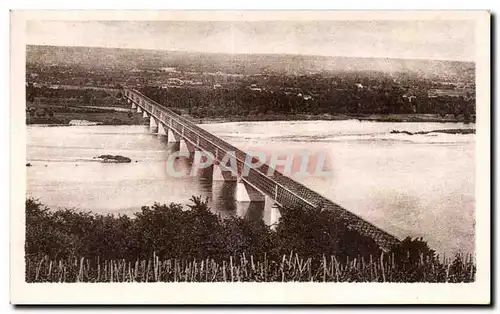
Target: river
pixel 408 185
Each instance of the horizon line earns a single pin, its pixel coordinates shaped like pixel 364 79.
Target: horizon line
pixel 257 53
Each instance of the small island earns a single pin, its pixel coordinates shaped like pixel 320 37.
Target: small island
pixel 448 131
pixel 113 158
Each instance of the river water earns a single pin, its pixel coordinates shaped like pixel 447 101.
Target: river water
pixel 408 185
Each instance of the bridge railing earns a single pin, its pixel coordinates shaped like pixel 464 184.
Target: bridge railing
pixel 207 141
pixel 284 190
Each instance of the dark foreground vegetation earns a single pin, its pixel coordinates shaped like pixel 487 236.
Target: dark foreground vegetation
pixel 168 243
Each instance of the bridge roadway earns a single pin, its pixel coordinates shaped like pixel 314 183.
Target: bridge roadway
pixel 282 189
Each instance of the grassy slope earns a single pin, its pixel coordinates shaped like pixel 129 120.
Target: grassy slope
pixel 67 109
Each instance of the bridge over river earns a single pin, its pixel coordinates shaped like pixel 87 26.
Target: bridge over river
pixel 256 184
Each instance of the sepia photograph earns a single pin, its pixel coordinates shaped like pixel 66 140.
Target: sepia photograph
pixel 287 151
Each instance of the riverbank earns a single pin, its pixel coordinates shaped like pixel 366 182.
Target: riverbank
pixel 95 106
pixel 329 117
pixel 118 118
pixel 113 111
pixel 64 119
pixel 96 115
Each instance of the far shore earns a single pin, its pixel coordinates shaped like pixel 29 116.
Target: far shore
pixel 120 115
pixel 298 117
pixel 329 117
pixel 112 111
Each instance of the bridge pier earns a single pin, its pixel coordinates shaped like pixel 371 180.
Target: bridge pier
pixel 162 132
pixel 134 106
pixel 271 212
pixel 220 174
pixel 145 114
pixel 162 129
pixel 187 147
pixel 153 125
pixel 173 137
pixel 245 193
pixel 139 110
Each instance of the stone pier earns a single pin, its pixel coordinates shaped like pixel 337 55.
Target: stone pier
pixel 246 193
pixel 162 129
pixel 222 174
pixel 186 147
pixel 271 212
pixel 173 137
pixel 153 125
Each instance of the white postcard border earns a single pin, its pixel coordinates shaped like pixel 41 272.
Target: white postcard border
pixel 248 293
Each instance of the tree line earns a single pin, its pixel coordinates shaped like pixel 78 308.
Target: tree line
pixel 241 101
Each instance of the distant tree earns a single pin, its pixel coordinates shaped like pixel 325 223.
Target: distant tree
pixel 40 113
pixel 88 98
pixel 30 92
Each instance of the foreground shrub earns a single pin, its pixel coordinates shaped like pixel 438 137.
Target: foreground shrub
pixel 311 244
pixel 317 232
pixel 169 231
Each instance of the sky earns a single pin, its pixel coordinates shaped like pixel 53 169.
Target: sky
pixel 434 39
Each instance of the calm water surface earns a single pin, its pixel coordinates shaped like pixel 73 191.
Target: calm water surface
pixel 409 185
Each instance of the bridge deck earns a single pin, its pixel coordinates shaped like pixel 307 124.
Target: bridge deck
pixel 284 190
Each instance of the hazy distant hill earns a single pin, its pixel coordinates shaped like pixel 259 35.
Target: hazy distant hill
pixel 238 63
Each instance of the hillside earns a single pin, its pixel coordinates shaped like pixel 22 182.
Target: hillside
pixel 241 63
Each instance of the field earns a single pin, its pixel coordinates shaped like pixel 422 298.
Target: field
pixel 63 105
pixel 248 269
